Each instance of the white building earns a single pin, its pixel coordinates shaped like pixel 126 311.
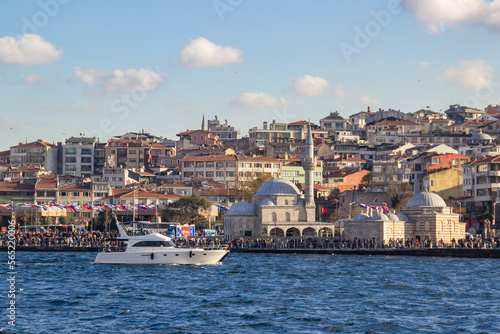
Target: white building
pixel 78 156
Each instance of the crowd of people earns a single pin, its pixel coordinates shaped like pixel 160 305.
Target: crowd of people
pixel 84 238
pixel 341 243
pixel 77 238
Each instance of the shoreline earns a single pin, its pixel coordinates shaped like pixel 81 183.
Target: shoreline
pixel 427 252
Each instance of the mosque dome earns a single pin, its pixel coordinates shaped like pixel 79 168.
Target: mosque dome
pixel 360 217
pixel 393 217
pixel 380 216
pixel 241 209
pixel 402 217
pixel 481 136
pixel 267 202
pixel 426 199
pixel 278 186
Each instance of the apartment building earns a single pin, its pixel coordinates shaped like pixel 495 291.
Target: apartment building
pixel 226 169
pixel 39 153
pixel 78 156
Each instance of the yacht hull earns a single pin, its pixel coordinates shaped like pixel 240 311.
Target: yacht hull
pixel 181 256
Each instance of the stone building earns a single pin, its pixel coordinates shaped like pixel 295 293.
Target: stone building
pixel 425 217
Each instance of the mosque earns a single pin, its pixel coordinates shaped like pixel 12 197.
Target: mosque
pixel 425 217
pixel 279 209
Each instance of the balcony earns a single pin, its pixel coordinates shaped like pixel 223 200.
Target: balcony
pixel 494 173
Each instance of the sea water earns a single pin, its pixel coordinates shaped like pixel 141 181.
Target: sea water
pixel 255 293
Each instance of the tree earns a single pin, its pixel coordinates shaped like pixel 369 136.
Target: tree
pixel 105 221
pixel 406 187
pixel 399 199
pixel 334 192
pixel 62 220
pixel 186 210
pixel 337 214
pixel 367 180
pixel 247 186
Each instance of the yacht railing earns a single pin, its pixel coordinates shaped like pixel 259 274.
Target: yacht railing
pixel 112 249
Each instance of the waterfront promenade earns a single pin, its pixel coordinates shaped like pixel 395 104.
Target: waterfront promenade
pixel 91 241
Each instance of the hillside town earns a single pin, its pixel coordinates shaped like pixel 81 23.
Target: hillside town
pixel 370 159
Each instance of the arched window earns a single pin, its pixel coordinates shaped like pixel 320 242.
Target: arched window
pixel 287 215
pixel 286 202
pixel 275 218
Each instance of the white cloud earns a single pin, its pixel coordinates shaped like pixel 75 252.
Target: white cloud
pixel 258 101
pixel 28 50
pixel 469 73
pixel 309 85
pixel 424 64
pixel 340 91
pixel 364 99
pixel 203 53
pixel 124 81
pixel 436 15
pixel 31 79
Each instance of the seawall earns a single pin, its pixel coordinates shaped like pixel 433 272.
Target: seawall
pixel 433 252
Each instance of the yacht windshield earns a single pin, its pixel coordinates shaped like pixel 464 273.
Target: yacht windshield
pixel 166 243
pixel 137 228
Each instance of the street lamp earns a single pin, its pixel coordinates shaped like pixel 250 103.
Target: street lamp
pixel 350 208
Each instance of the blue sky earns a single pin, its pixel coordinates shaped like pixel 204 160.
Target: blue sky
pixel 104 68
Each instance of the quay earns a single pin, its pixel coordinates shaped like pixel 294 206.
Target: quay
pixel 429 252
pixel 426 252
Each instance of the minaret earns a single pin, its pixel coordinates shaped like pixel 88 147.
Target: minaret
pixel 308 163
pixel 203 123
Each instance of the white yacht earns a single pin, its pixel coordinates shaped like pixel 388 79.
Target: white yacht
pixel 142 245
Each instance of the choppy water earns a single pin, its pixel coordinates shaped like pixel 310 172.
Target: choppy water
pixel 256 293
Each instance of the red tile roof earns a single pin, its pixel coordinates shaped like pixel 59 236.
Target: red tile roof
pixel 16 185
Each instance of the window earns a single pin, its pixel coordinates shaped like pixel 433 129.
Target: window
pixel 132 160
pixel 86 151
pixel 122 151
pixel 199 174
pixel 267 166
pixel 153 243
pixel 210 174
pixel 230 174
pixel 258 165
pixel 231 164
pixel 199 165
pixel 220 165
pixel 219 174
pixel 70 159
pixel 210 165
pixel 70 168
pixel 86 160
pixel 188 164
pixel 132 152
pixel 70 151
